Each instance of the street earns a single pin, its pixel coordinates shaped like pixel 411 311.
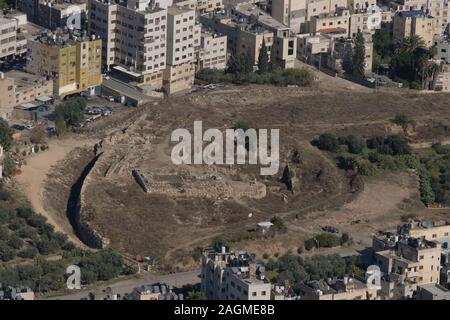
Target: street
pixel 127 286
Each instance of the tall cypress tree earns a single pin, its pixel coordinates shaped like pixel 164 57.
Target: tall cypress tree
pixel 273 60
pixel 249 62
pixel 359 54
pixel 263 58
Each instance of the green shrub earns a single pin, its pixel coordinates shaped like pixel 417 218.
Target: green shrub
pixel 28 253
pixel 310 244
pixel 327 141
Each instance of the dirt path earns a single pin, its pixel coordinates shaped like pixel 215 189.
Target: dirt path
pixel 34 173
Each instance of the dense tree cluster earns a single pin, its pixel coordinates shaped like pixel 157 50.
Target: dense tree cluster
pixel 6 133
pixel 389 145
pixel 326 240
pixel 70 113
pixel 26 236
pixel 297 269
pixel 240 70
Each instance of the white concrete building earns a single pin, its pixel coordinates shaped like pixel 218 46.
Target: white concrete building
pixel 8 41
pixel 183 40
pixel 233 276
pixel 213 51
pixel 134 38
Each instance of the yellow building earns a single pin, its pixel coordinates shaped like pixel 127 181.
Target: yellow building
pixel 74 62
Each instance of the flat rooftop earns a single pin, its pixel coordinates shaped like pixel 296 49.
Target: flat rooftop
pixel 4 20
pixel 23 79
pixel 435 289
pixel 174 10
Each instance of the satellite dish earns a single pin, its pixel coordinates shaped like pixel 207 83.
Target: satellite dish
pixel 374 18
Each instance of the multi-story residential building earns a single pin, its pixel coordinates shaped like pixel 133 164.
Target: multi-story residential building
pixel 347 288
pixel 356 5
pixel 312 49
pixel 343 51
pixel 183 40
pixel 365 21
pixel 7 101
pixel 406 262
pixel 233 276
pixel 52 14
pixel 72 59
pixel 442 45
pixel 426 229
pixel 201 6
pixel 57 15
pixel 213 51
pixel 284 42
pixel 8 40
pixel 438 9
pixel 291 13
pixel 134 37
pixel 443 82
pixel 29 87
pixel 415 23
pixel 243 37
pixel 324 22
pixel 322 7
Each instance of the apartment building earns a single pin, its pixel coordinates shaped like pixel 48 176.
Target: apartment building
pixel 364 21
pixel 213 51
pixel 322 7
pixel 326 21
pixel 134 38
pixel 443 79
pixel 73 60
pixel 427 229
pixel 7 101
pixel 342 53
pixel 290 13
pixel 435 8
pixel 233 276
pixel 442 45
pixel 183 40
pixel 201 6
pixel 414 23
pixel 8 42
pixel 56 15
pixel 346 288
pixel 311 49
pixel 406 262
pixel 243 37
pixel 29 87
pixel 284 41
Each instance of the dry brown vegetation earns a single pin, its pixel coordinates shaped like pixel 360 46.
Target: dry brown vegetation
pixel 189 206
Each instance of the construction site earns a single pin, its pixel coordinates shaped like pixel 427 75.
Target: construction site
pixel 124 191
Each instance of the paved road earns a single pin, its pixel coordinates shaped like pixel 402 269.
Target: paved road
pixel 126 286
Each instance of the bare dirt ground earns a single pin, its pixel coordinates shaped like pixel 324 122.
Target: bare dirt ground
pixel 173 219
pixel 33 180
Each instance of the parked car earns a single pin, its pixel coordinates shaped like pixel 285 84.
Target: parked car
pixel 330 229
